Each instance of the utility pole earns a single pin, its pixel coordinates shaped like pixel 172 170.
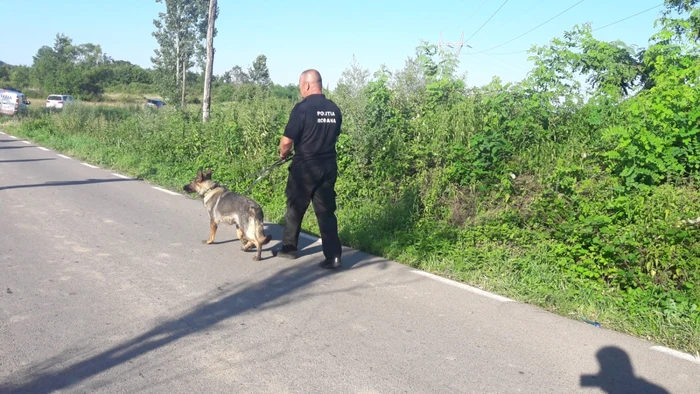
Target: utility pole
pixel 456 46
pixel 206 101
pixel 184 80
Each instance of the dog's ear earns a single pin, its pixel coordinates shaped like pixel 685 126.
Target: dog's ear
pixel 200 176
pixel 207 175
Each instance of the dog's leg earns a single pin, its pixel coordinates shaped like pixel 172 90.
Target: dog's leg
pixel 212 232
pixel 258 247
pixel 245 243
pixel 249 244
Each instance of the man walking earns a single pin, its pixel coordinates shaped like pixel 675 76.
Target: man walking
pixel 313 129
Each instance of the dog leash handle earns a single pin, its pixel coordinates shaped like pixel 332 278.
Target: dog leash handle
pixel 267 170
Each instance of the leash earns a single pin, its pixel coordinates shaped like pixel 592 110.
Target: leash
pixel 264 172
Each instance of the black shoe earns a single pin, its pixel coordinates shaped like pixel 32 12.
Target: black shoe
pixel 286 251
pixel 331 263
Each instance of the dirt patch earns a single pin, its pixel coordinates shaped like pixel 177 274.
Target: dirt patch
pixel 463 207
pixel 470 207
pixel 526 188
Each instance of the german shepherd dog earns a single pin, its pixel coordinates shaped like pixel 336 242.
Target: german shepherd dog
pixel 225 206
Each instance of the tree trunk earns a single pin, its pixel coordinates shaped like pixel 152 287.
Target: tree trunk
pixel 206 101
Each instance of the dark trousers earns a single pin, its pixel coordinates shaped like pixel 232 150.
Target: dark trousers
pixel 312 182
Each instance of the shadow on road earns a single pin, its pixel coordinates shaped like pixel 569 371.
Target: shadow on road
pixel 24 160
pixel 616 375
pixel 17 140
pixel 16 147
pixel 220 305
pixel 66 183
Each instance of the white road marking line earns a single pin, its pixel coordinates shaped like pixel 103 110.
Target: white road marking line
pixel 2 132
pixel 13 137
pixel 463 286
pixel 676 353
pixel 89 165
pixel 121 176
pixel 166 191
pixel 63 156
pixel 42 148
pixel 27 142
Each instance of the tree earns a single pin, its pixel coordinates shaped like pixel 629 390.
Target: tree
pixel 5 71
pixel 211 31
pixel 258 74
pixel 612 69
pixel 180 31
pixel 689 27
pixel 289 92
pixel 79 70
pixel 442 87
pixel 124 73
pixel 351 94
pixel 237 76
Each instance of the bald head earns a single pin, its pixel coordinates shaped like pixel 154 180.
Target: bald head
pixel 310 82
pixel 312 76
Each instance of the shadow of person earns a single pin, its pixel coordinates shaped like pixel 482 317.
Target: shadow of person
pixel 616 375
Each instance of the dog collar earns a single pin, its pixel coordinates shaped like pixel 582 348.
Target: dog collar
pixel 211 188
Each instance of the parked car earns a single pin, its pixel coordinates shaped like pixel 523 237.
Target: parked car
pixel 59 100
pixel 12 101
pixel 154 103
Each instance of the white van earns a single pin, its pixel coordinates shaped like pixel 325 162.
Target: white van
pixel 12 102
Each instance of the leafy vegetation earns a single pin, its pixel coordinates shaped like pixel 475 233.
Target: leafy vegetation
pixel 575 198
pixel 89 74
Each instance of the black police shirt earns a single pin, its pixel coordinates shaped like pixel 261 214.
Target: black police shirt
pixel 314 124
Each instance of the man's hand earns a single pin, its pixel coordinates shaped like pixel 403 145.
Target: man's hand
pixel 285 147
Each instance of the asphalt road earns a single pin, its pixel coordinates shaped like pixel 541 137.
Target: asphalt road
pixel 107 288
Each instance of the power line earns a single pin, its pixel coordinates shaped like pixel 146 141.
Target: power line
pixel 631 16
pixel 503 61
pixel 477 10
pixel 500 54
pixel 533 7
pixel 487 21
pixel 602 27
pixel 536 27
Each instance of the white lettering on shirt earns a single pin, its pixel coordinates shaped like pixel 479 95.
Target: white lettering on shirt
pixel 325 116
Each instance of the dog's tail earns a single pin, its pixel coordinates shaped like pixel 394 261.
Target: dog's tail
pixel 259 230
pixel 261 237
pixel 265 240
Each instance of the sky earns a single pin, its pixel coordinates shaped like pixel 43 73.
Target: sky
pixel 326 35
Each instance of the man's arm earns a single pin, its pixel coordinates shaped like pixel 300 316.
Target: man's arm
pixel 285 146
pixel 340 125
pixel 291 131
